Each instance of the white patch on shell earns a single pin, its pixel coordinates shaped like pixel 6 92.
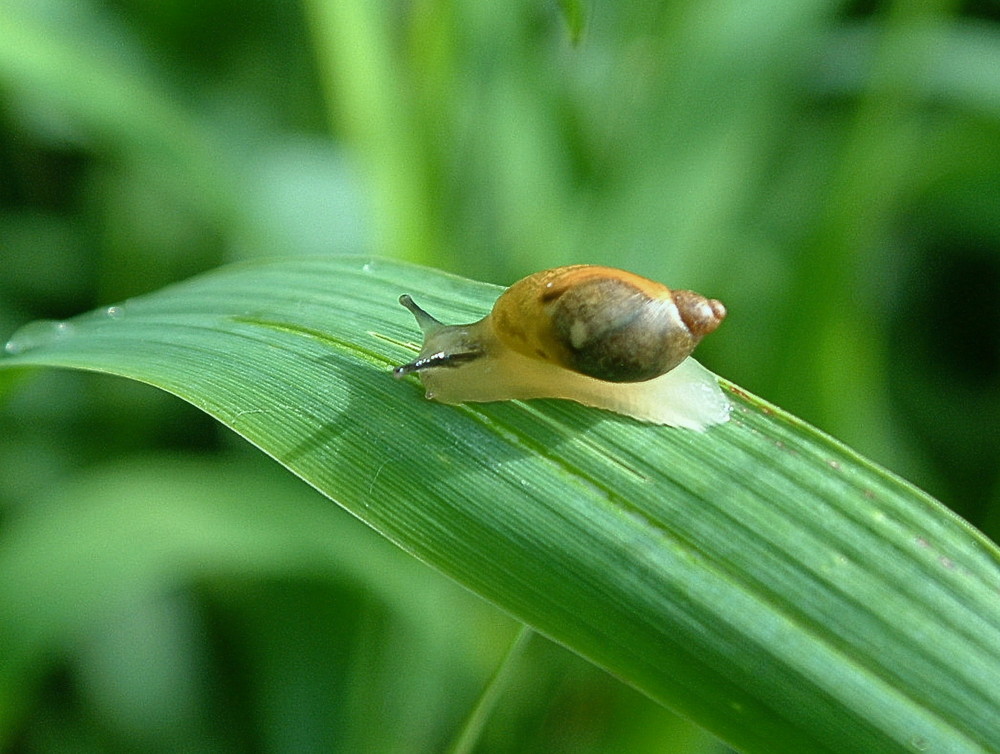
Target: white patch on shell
pixel 675 314
pixel 578 334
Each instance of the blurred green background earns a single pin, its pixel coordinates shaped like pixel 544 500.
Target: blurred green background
pixel 830 170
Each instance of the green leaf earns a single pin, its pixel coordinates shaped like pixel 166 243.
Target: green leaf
pixel 760 578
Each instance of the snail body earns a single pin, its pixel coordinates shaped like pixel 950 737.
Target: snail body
pixel 596 335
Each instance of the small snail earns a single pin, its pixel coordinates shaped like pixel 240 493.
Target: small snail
pixel 596 335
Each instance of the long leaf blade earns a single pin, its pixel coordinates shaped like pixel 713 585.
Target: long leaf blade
pixel 760 578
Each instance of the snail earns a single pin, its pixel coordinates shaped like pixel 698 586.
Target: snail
pixel 596 335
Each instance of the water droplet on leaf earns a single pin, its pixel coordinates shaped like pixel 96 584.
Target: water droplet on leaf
pixel 37 334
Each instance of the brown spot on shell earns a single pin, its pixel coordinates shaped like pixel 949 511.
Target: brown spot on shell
pixel 551 293
pixel 509 325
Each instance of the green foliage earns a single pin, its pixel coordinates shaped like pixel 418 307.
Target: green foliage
pixel 831 173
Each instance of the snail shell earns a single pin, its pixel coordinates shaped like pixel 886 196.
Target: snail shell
pixel 597 335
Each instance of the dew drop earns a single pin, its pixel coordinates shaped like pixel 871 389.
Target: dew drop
pixel 37 334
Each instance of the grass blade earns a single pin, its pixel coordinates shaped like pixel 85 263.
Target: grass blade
pixel 760 578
